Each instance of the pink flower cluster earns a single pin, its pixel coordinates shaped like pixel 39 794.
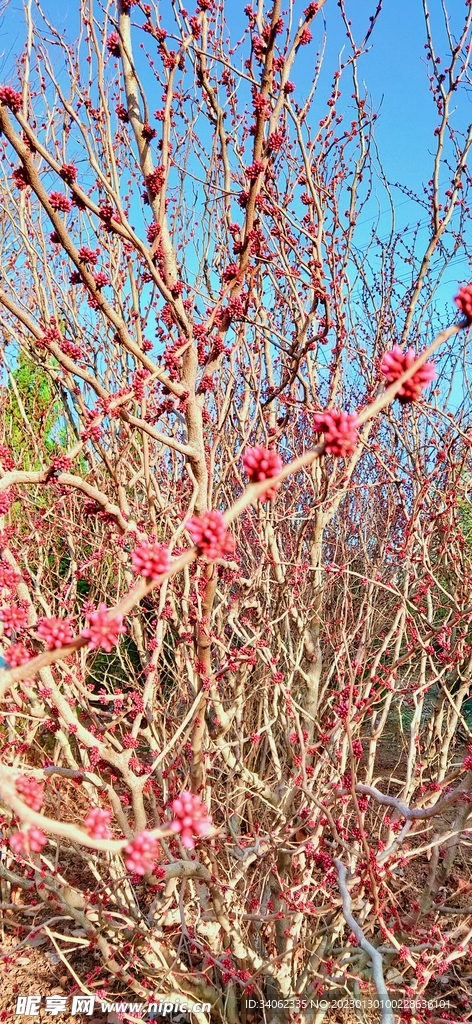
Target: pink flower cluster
pixel 60 202
pixel 20 178
pixel 191 818
pixel 255 169
pixel 102 631
pixel 88 255
pixel 101 279
pixel 275 141
pixel 33 840
pixel 10 97
pixel 122 113
pixel 113 44
pixel 6 498
pixel 31 791
pixel 13 617
pixel 61 464
pixel 69 173
pixel 6 458
pixel 56 632
pixel 464 301
pixel 97 822
pixel 8 577
pixel 211 536
pixel 148 132
pixel 16 655
pixel 261 464
pixel 395 362
pixel 340 431
pixel 155 181
pixel 51 332
pixel 141 853
pixel 151 560
pixel 139 382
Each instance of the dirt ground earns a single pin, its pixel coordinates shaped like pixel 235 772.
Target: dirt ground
pixel 37 970
pixel 34 966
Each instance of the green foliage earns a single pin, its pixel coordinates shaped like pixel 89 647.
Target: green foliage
pixel 465 513
pixel 31 416
pixel 114 670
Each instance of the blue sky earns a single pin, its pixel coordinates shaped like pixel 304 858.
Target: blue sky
pixel 396 75
pixel 394 72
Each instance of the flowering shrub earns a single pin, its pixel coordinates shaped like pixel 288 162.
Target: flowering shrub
pixel 234 733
